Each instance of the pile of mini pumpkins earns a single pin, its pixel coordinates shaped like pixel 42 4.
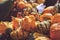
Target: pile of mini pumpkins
pixel 40 27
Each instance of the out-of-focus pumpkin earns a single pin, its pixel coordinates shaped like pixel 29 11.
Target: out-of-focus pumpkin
pixel 8 25
pixel 21 5
pixel 26 12
pixel 2 27
pixel 16 22
pixel 28 23
pixel 36 15
pixel 55 31
pixel 45 17
pixel 13 35
pixel 50 9
pixel 56 18
pixel 18 34
pixel 5 25
pixel 29 6
pixel 35 4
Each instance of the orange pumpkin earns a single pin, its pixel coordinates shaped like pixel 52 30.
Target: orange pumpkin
pixel 16 22
pixel 36 15
pixel 2 27
pixel 21 5
pixel 26 12
pixel 55 31
pixel 28 23
pixel 29 6
pixel 35 4
pixel 50 10
pixel 56 18
pixel 45 17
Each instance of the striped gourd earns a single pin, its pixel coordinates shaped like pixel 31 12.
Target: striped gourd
pixel 43 27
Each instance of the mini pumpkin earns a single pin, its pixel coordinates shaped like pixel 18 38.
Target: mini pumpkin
pixel 21 5
pixel 26 12
pixel 29 6
pixel 50 9
pixel 15 22
pixel 45 17
pixel 55 31
pixel 36 15
pixel 2 27
pixel 56 18
pixel 8 25
pixel 28 23
pixel 19 34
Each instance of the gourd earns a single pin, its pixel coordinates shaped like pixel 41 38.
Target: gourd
pixel 43 27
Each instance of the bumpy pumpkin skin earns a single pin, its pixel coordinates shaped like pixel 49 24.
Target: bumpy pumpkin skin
pixel 55 31
pixel 45 17
pixel 56 18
